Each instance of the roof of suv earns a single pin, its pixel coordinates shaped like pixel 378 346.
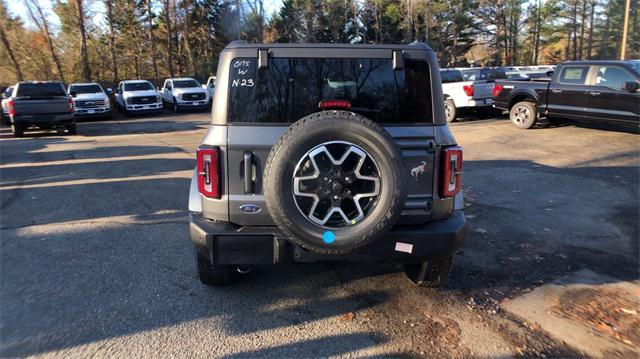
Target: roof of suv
pixel 241 44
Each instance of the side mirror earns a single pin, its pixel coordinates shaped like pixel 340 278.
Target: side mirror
pixel 109 91
pixel 73 94
pixel 631 86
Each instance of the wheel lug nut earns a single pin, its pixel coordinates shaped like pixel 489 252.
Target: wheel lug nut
pixel 335 197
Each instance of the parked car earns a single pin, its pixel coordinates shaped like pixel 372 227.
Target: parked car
pixel 345 157
pixel 184 92
pixel 461 94
pixel 6 94
pixel 138 96
pixel 512 75
pixel 579 90
pixel 90 100
pixel 40 104
pixel 210 86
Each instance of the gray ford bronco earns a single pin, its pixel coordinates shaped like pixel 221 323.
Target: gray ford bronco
pixel 319 152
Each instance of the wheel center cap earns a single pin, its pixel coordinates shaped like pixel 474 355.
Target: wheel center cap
pixel 336 187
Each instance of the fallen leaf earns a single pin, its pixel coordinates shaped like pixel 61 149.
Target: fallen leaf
pixel 347 317
pixel 629 311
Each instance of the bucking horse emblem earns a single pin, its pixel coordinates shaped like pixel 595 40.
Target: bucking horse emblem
pixel 418 170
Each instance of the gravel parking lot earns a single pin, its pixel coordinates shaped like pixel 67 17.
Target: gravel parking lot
pixel 95 257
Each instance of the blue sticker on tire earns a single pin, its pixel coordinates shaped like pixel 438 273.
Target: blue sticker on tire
pixel 328 237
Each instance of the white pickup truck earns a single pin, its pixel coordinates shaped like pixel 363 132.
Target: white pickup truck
pixel 461 94
pixel 184 92
pixel 90 100
pixel 210 86
pixel 138 96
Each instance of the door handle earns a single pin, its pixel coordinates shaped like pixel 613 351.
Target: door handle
pixel 248 172
pixel 556 91
pixel 594 93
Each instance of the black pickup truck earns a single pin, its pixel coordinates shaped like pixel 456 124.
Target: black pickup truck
pixel 606 91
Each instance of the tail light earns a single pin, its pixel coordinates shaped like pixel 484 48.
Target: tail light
pixel 209 172
pixel 12 109
pixel 451 179
pixel 468 89
pixel 496 90
pixel 70 105
pixel 327 104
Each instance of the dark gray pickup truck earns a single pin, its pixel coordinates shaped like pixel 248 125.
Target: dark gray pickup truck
pixel 42 105
pixel 606 91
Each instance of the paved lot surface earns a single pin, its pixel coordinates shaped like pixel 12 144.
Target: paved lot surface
pixel 95 257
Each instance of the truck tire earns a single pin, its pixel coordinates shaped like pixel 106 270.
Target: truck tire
pixel 450 110
pixel 428 274
pixel 349 179
pixel 212 274
pixel 17 129
pixel 524 114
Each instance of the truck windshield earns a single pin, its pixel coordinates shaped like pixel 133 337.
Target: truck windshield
pixel 80 89
pixel 40 90
pixel 479 75
pixel 291 88
pixel 180 84
pixel 138 86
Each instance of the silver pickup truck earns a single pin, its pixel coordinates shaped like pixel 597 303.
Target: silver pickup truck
pixel 42 105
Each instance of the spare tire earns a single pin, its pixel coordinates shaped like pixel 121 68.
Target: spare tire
pixel 334 182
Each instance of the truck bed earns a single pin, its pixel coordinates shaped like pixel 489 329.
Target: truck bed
pixel 512 90
pixel 41 106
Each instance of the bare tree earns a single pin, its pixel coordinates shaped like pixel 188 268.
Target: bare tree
pixel 536 34
pixel 257 8
pixel 7 45
pixel 41 22
pixel 167 10
pixel 112 39
pixel 86 72
pixel 574 26
pixel 186 35
pixel 152 40
pixel 583 20
pixel 594 3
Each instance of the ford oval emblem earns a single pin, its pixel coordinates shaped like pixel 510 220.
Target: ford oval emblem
pixel 250 208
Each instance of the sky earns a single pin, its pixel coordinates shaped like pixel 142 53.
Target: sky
pixel 18 7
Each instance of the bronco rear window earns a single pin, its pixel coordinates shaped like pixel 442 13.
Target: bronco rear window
pixel 289 89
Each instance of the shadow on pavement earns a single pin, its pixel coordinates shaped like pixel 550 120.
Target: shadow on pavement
pixel 86 277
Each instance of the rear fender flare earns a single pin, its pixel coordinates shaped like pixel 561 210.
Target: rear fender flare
pixel 523 95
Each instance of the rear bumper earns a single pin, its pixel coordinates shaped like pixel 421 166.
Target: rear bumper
pixel 44 120
pixel 224 243
pixel 480 102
